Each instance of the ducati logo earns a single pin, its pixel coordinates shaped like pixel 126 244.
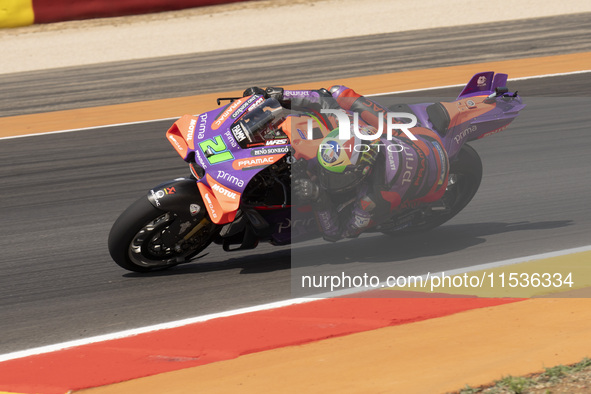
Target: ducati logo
pixel 194 209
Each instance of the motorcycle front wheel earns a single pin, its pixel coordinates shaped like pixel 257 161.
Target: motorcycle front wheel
pixel 145 238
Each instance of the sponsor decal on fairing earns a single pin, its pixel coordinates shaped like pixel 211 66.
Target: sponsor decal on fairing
pixel 229 178
pixel 230 108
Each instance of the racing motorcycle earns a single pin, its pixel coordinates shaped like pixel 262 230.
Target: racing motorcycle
pixel 238 193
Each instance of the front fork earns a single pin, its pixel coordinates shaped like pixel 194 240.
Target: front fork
pixel 182 199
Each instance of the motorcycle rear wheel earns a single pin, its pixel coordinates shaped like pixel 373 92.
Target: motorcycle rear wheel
pixel 466 170
pixel 137 241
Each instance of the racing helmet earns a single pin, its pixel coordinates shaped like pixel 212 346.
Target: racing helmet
pixel 343 163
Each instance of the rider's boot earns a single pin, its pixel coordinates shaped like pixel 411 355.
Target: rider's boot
pixel 360 218
pixel 327 217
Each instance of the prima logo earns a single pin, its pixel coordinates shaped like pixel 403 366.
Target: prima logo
pixel 202 126
pixel 464 133
pixel 391 125
pixel 226 176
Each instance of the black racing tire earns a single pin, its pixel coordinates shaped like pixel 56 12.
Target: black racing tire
pixel 467 170
pixel 135 244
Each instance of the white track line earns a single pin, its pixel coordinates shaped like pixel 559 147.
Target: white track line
pixel 89 128
pixel 368 95
pixel 459 271
pixel 263 307
pixel 147 329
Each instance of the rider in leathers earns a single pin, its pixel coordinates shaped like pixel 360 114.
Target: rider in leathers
pixel 386 175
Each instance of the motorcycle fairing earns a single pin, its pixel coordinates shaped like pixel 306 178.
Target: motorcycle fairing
pixel 475 117
pixel 208 141
pixel 221 203
pixel 474 114
pixel 483 83
pixel 227 113
pixel 181 134
pixel 176 196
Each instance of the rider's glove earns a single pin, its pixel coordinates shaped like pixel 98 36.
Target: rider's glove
pixel 369 157
pixel 254 90
pixel 299 168
pixel 271 92
pixel 276 93
pixel 366 161
pixel 305 191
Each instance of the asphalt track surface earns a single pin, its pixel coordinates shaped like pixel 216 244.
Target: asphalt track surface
pixel 61 193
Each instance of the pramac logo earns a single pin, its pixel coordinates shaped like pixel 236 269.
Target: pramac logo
pixel 226 113
pixel 254 162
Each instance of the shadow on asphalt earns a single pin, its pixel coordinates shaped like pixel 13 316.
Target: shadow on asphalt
pixel 373 249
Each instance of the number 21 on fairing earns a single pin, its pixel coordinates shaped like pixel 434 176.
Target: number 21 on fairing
pixel 218 146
